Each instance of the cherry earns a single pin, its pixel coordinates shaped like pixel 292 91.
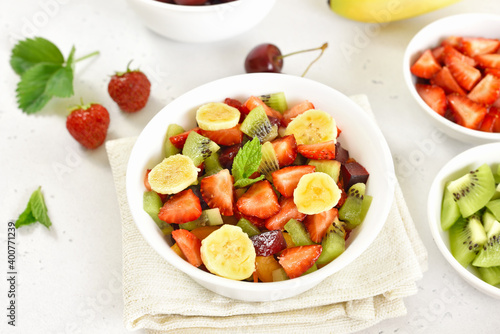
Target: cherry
pixel 267 57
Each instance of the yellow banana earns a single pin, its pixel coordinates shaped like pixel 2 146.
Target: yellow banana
pixel 315 193
pixel 385 10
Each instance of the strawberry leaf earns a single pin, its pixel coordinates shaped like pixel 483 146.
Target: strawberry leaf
pixel 31 51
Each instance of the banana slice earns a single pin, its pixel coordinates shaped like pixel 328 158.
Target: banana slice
pixel 315 193
pixel 228 252
pixel 217 116
pixel 312 127
pixel 173 174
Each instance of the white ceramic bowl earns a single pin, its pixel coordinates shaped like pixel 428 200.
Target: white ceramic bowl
pixel 201 24
pixel 360 135
pixel 473 25
pixel 456 167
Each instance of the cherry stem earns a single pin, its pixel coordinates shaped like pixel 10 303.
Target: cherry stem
pixel 322 48
pixel 95 53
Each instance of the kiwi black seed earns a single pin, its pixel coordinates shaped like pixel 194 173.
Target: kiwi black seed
pixel 467 236
pixel 277 101
pixel 257 124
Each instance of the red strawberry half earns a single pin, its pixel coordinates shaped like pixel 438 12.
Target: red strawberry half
pixel 217 191
pixel 489 60
pixel 285 149
pixel 466 112
pixel 425 66
pixel 295 111
pixel 180 139
pixel 190 246
pixel 317 225
pixel 88 125
pixel 466 75
pixel 259 201
pixel 320 151
pixel 287 211
pixel 491 122
pixel 473 46
pixel 130 90
pixel 181 208
pixel 297 260
pixel 226 137
pixel 486 91
pixel 445 80
pixel 434 96
pixel 254 101
pixel 286 179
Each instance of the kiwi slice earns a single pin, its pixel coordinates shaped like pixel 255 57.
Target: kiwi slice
pixel 490 275
pixel 489 254
pixel 298 232
pixel 494 207
pixel 212 164
pixel 497 174
pixel 310 270
pixel 151 203
pixel 279 275
pixel 169 148
pixel 330 167
pixel 198 147
pixel 467 236
pixel 208 217
pixel 488 220
pixel 473 190
pixel 356 205
pixel 269 162
pixel 450 212
pixel 257 124
pixel 277 101
pixel 333 245
pixel 248 227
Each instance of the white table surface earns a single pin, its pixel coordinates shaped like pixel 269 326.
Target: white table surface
pixel 69 278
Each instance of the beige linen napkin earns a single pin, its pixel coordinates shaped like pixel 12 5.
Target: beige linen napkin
pixel 162 299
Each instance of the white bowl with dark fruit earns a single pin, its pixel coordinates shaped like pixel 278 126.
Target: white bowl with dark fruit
pixel 201 21
pixel 464 215
pixel 452 69
pixel 260 186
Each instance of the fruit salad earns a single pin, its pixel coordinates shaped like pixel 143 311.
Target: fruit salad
pixel 471 214
pixel 460 80
pixel 258 190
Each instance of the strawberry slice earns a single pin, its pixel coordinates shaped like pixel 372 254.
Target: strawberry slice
pixel 217 191
pixel 180 139
pixel 494 71
pixel 254 101
pixel 297 260
pixel 487 91
pixel 190 246
pixel 146 180
pixel 285 180
pixel 438 54
pixel 453 41
pixel 226 137
pixel 491 122
pixel 473 46
pixel 285 149
pixel 259 201
pixel 488 60
pixel 317 225
pixel 319 151
pixel 425 66
pixel 434 96
pixel 450 52
pixel 445 80
pixel 181 208
pixel 287 211
pixel 295 111
pixel 466 112
pixel 466 75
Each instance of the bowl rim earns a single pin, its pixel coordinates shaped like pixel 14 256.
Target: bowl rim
pixel 194 9
pixel 456 164
pixel 409 78
pixel 314 277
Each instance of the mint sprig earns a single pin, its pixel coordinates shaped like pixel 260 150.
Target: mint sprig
pixel 36 211
pixel 44 72
pixel 246 162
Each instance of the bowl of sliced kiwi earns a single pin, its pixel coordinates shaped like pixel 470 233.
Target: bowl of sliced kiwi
pixel 259 186
pixel 464 215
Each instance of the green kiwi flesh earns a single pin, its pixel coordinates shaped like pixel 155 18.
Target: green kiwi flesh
pixel 489 254
pixel 490 275
pixel 256 124
pixel 198 147
pixel 169 148
pixel 450 212
pixel 333 245
pixel 330 167
pixel 488 220
pixel 494 207
pixel 269 162
pixel 356 205
pixel 473 190
pixel 467 236
pixel 212 164
pixel 277 101
pixel 298 232
pixel 151 203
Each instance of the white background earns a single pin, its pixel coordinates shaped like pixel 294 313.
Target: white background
pixel 70 276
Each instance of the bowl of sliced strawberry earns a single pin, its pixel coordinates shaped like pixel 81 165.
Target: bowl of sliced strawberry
pixel 260 186
pixel 452 69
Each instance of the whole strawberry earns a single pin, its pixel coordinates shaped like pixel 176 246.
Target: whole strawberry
pixel 88 124
pixel 130 90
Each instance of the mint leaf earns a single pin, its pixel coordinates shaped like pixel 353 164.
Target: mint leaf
pixel 36 211
pixel 31 51
pixel 247 160
pixel 241 183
